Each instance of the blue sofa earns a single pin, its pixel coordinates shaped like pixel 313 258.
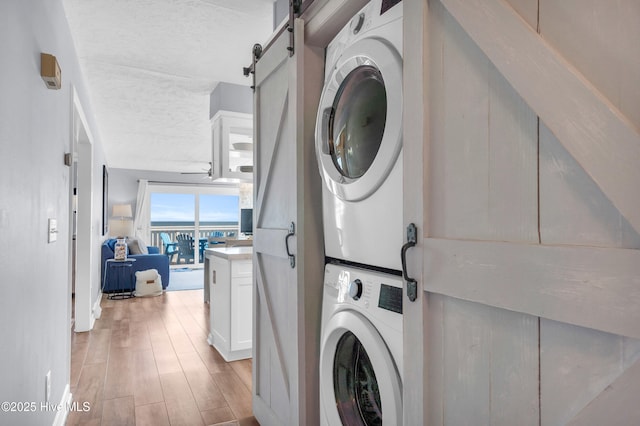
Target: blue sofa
pixel 153 260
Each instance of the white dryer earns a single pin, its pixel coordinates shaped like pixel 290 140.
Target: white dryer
pixel 361 348
pixel 359 138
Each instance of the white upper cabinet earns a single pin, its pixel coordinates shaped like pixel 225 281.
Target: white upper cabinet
pixel 232 139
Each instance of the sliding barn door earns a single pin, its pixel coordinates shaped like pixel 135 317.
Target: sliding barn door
pixel 523 180
pixel 287 245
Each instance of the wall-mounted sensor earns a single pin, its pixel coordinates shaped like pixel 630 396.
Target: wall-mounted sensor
pixel 50 71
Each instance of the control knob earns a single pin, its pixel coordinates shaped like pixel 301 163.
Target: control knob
pixel 355 289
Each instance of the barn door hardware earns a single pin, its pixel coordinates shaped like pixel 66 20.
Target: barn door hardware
pixel 296 9
pixel 295 4
pixel 292 232
pixel 256 53
pixel 294 12
pixel 412 284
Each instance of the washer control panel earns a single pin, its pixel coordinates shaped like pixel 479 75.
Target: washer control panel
pixel 390 298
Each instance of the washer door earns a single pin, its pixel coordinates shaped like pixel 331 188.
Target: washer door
pixel 359 122
pixel 359 382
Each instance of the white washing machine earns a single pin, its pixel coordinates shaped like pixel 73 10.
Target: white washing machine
pixel 359 138
pixel 361 348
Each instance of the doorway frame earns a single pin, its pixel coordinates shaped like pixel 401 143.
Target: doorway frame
pixel 85 313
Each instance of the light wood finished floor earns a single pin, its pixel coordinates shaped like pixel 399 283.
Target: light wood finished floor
pixel 147 362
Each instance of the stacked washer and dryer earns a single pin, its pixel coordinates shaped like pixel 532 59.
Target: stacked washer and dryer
pixel 358 146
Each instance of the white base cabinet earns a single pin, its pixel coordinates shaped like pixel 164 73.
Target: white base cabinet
pixel 230 284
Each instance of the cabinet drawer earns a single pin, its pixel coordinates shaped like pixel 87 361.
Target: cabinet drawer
pixel 242 268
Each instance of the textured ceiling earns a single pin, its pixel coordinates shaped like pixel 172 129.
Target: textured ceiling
pixel 150 66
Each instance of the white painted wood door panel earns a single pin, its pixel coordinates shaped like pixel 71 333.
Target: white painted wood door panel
pixel 596 133
pixel 576 365
pixel 620 397
pixel 480 184
pixel 599 39
pixel 579 366
pixel 522 319
pixel 287 300
pixel 490 372
pixel 573 210
pixel 490 158
pixel 275 346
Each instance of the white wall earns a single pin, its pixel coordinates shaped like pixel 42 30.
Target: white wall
pixel 35 132
pixel 280 11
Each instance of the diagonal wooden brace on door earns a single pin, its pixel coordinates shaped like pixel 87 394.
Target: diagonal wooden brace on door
pixel 619 397
pixel 598 136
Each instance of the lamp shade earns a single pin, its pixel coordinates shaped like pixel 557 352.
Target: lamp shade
pixel 122 210
pixel 120 228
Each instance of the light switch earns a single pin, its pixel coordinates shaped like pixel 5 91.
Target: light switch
pixel 53 230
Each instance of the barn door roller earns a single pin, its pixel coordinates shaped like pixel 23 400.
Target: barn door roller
pixel 296 8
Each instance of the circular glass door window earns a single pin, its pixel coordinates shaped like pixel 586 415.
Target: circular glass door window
pixel 357 121
pixel 355 385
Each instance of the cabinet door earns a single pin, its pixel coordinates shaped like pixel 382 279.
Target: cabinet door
pixel 241 318
pixel 220 308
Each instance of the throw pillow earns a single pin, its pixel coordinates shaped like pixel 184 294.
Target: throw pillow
pixel 134 248
pixel 111 243
pixel 148 283
pixel 137 246
pixel 143 246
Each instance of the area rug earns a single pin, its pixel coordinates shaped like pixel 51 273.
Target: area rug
pixel 186 279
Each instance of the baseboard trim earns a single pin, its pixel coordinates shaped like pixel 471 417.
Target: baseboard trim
pixel 97 309
pixel 227 354
pixel 96 313
pixel 63 412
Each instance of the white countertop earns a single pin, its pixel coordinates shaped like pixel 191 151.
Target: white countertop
pixel 231 253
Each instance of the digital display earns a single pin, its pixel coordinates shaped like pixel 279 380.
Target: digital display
pixel 390 298
pixel 388 4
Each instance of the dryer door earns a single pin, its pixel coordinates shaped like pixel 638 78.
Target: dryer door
pixel 359 122
pixel 359 382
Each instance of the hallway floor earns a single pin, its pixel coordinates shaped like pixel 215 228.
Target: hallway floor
pixel 147 362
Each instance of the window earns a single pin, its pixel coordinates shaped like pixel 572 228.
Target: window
pixel 197 212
